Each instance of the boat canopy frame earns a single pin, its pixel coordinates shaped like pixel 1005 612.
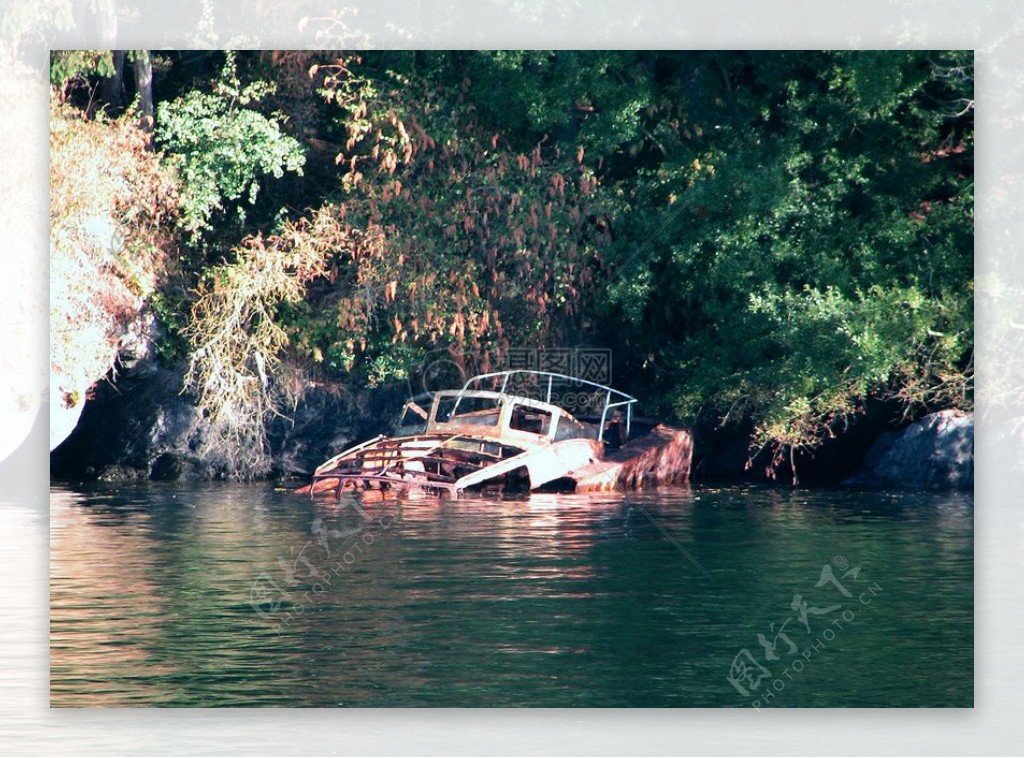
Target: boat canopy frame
pixel 613 398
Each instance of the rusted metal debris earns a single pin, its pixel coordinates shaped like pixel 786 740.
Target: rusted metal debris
pixel 496 433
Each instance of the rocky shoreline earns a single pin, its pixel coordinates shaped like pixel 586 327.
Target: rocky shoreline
pixel 144 428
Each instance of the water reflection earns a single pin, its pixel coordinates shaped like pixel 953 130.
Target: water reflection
pixel 242 595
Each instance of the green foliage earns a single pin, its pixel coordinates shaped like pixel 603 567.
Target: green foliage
pixel 222 148
pixel 171 309
pixel 477 246
pixel 766 237
pixel 808 242
pixel 66 65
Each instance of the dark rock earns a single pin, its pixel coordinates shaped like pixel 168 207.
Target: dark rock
pixel 934 453
pixel 720 456
pixel 170 467
pixel 143 424
pixel 328 420
pixel 116 473
pixel 142 427
pixel 166 468
pixel 724 455
pixel 841 454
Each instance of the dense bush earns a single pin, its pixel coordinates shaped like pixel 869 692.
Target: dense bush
pixel 221 148
pixel 805 240
pixel 112 207
pixel 764 238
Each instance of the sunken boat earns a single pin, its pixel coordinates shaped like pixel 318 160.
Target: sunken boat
pixel 515 430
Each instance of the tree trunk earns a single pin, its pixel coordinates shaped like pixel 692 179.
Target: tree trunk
pixel 112 89
pixel 144 85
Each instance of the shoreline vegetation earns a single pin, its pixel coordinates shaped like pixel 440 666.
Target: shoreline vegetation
pixel 268 248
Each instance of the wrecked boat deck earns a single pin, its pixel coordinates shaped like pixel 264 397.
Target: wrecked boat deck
pixel 514 436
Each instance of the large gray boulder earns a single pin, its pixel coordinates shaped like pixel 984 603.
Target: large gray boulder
pixel 934 453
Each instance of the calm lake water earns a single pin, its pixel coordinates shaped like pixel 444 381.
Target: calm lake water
pixel 229 595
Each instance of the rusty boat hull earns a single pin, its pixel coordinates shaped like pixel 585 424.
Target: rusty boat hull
pixel 503 439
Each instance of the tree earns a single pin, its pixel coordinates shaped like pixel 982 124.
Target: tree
pixel 112 208
pixel 143 65
pixel 771 238
pixel 222 148
pixel 805 242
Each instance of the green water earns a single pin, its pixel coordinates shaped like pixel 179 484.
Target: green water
pixel 234 595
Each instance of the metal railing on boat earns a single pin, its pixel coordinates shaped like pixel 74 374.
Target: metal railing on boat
pixel 610 392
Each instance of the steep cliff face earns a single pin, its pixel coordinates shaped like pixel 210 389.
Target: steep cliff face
pixel 140 428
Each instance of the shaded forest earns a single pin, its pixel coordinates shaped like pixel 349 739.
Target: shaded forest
pixel 766 242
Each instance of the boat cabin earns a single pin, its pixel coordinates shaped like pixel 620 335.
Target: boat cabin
pixel 513 413
pixel 508 429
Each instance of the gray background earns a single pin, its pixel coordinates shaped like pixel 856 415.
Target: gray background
pixel 992 29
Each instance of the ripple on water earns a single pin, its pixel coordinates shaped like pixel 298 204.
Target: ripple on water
pixel 242 595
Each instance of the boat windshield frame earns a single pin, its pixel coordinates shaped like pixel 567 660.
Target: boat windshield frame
pixel 501 429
